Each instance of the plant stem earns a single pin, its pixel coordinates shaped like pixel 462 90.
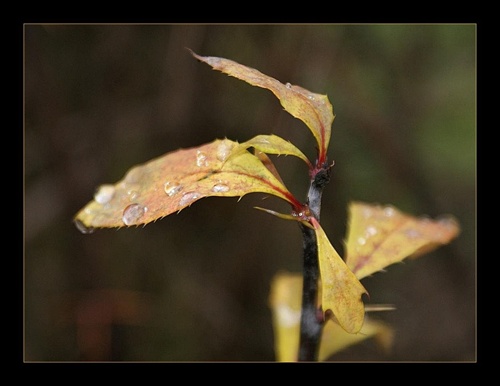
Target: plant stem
pixel 311 321
pixel 310 327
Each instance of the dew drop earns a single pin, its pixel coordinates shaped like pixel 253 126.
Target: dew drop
pixel 171 188
pixel 310 97
pixel 104 194
pixel 288 85
pixel 83 228
pixel 188 197
pixel 132 213
pixel 361 241
pixel 217 188
pixel 448 222
pixel 371 231
pixel 263 141
pixel 201 159
pixel 133 175
pixel 223 150
pixel 132 194
pixel 389 211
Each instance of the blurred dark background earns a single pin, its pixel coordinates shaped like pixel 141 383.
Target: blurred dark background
pixel 194 286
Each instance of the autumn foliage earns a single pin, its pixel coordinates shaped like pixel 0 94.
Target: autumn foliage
pixel 377 236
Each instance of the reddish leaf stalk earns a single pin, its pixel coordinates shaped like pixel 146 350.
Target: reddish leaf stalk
pixel 311 322
pixel 297 206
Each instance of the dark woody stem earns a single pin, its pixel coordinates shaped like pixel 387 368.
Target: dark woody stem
pixel 311 322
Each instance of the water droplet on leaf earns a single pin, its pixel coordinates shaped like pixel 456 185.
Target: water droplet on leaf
pixel 288 85
pixel 371 231
pixel 133 175
pixel 220 188
pixel 188 197
pixel 389 211
pixel 132 194
pixel 104 194
pixel 223 150
pixel 133 213
pixel 83 228
pixel 172 188
pixel 201 159
pixel 448 222
pixel 262 140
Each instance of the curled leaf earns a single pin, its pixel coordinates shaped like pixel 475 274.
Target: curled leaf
pixel 341 291
pixel 379 236
pixel 315 110
pixel 176 180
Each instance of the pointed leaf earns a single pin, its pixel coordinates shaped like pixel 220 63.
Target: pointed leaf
pixel 278 214
pixel 315 110
pixel 176 180
pixel 273 144
pixel 340 290
pixel 379 236
pixel 268 163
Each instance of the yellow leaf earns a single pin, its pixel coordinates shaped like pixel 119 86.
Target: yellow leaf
pixel 176 180
pixel 268 163
pixel 285 302
pixel 273 144
pixel 379 236
pixel 315 110
pixel 340 290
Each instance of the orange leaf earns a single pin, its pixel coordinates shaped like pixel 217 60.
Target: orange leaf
pixel 315 110
pixel 379 236
pixel 176 180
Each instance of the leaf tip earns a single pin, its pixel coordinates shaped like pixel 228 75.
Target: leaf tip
pixel 85 229
pixel 212 61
